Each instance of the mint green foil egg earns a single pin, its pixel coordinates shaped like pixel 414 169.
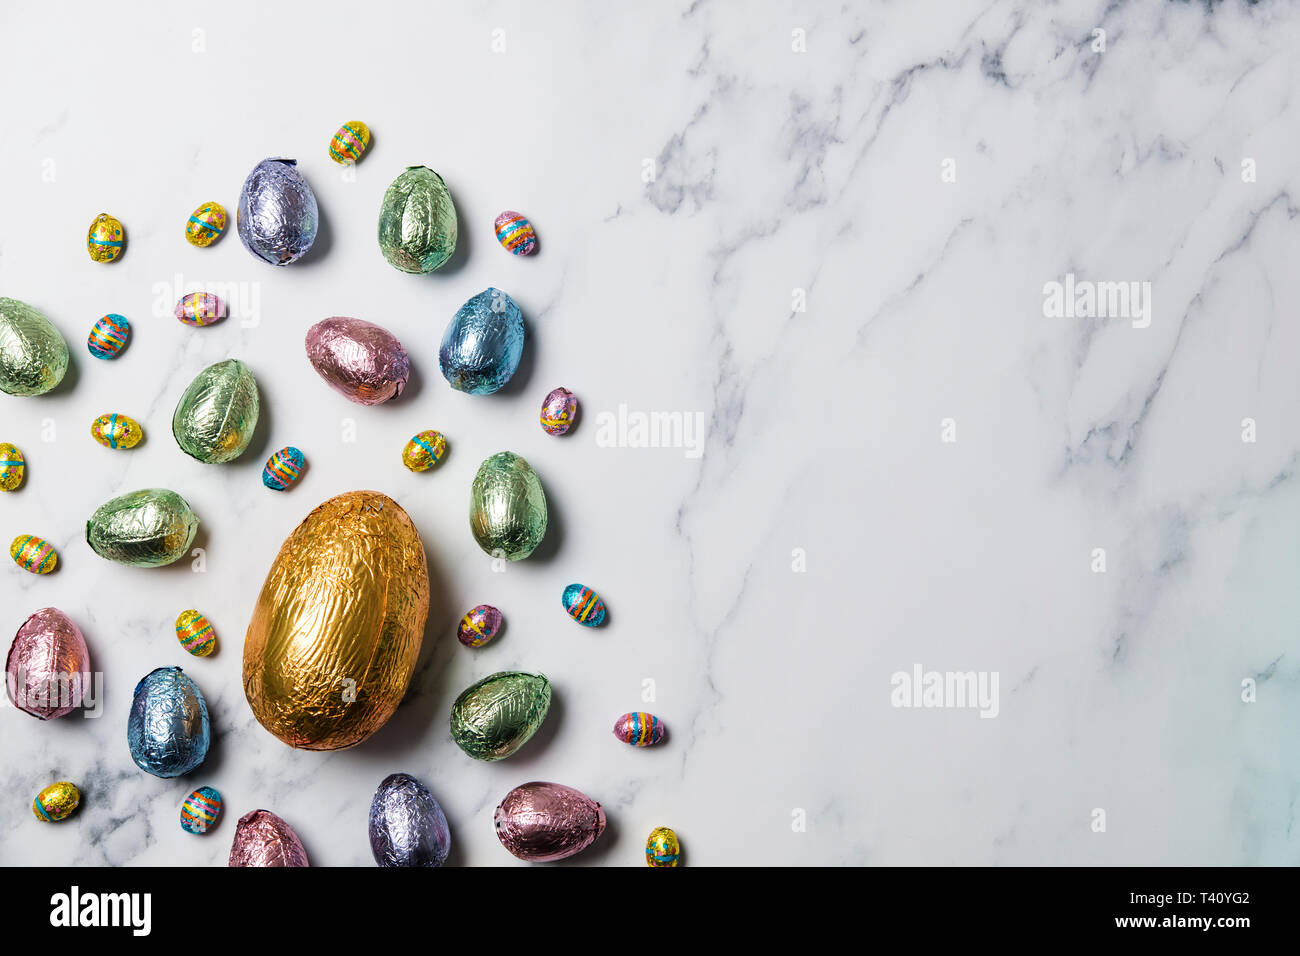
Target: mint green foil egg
pixel 417 222
pixel 33 354
pixel 215 418
pixel 143 529
pixel 507 507
pixel 495 717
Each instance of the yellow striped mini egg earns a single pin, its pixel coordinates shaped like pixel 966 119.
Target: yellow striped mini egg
pixel 350 143
pixel 12 467
pixel 56 802
pixel 206 224
pixel 116 431
pixel 106 239
pixel 424 450
pixel 33 554
pixel 195 633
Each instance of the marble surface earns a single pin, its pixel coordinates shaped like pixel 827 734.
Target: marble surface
pixel 819 233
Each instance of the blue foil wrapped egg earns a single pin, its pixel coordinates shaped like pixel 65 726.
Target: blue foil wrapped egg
pixel 407 827
pixel 277 215
pixel 584 605
pixel 283 468
pixel 483 343
pixel 168 730
pixel 108 336
pixel 201 810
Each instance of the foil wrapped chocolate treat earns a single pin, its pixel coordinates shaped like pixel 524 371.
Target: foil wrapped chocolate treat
pixel 168 730
pixel 108 336
pixel 13 467
pixel 363 362
pixel 338 625
pixel 350 143
pixel 105 239
pixel 263 839
pixel 559 409
pixel 34 554
pixel 277 215
pixel 662 848
pixel 540 822
pixel 206 224
pixel 215 419
pixel 115 430
pixel 33 353
pixel 57 802
pixel 407 827
pixel 48 668
pixel 417 222
pixel 201 810
pixel 483 343
pixel 507 507
pixel 639 729
pixel 143 529
pixel 496 716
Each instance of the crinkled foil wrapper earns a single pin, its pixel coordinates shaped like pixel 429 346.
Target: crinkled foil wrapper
pixel 143 529
pixel 483 343
pixel 338 625
pixel 407 827
pixel 33 353
pixel 507 507
pixel 263 839
pixel 215 419
pixel 48 667
pixel 540 822
pixel 495 717
pixel 277 215
pixel 363 362
pixel 417 222
pixel 168 730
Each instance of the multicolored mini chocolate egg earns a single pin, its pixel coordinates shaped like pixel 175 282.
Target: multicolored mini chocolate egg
pixel 115 430
pixel 662 848
pixel 56 802
pixel 206 224
pixel 283 468
pixel 108 336
pixel 200 308
pixel 479 626
pixel 515 233
pixel 584 605
pixel 424 450
pixel 33 554
pixel 639 729
pixel 201 810
pixel 13 467
pixel 559 410
pixel 195 633
pixel 350 143
pixel 105 239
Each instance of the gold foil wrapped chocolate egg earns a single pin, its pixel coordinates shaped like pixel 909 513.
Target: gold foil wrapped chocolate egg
pixel 56 802
pixel 115 430
pixel 106 239
pixel 13 467
pixel 338 626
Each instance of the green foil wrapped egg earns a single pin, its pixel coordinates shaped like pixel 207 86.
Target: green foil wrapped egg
pixel 33 355
pixel 143 529
pixel 215 418
pixel 507 507
pixel 495 717
pixel 417 222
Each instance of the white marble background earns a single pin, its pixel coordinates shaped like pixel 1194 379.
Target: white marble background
pixel 794 146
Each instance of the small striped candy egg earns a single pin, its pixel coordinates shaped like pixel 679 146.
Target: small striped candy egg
pixel 206 224
pixel 283 468
pixel 13 467
pixel 108 336
pixel 639 729
pixel 200 308
pixel 350 143
pixel 424 450
pixel 201 810
pixel 516 233
pixel 116 431
pixel 479 626
pixel 559 410
pixel 584 605
pixel 33 554
pixel 662 848
pixel 106 238
pixel 195 633
pixel 56 802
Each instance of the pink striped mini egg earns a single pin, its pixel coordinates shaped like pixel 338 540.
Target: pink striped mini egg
pixel 515 233
pixel 283 468
pixel 639 729
pixel 559 410
pixel 200 308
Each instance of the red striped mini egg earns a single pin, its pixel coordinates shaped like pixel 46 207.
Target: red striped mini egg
pixel 114 430
pixel 639 729
pixel 559 410
pixel 108 336
pixel 283 468
pixel 106 239
pixel 33 554
pixel 479 626
pixel 200 308
pixel 195 633
pixel 206 224
pixel 515 233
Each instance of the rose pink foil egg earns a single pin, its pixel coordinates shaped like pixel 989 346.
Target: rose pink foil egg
pixel 263 839
pixel 540 822
pixel 363 362
pixel 48 668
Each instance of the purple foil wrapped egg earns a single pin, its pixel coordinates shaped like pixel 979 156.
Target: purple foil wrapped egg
pixel 540 822
pixel 48 668
pixel 200 308
pixel 479 625
pixel 263 839
pixel 559 410
pixel 407 827
pixel 363 362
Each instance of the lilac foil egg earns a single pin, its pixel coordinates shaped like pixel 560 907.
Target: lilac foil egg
pixel 363 362
pixel 263 839
pixel 407 827
pixel 277 215
pixel 559 409
pixel 540 822
pixel 48 668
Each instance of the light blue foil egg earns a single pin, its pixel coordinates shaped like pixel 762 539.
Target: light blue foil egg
pixel 277 215
pixel 168 730
pixel 407 827
pixel 483 343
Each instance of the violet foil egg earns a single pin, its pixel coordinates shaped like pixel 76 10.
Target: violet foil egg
pixel 277 215
pixel 483 343
pixel 479 625
pixel 639 729
pixel 263 839
pixel 407 827
pixel 540 822
pixel 48 667
pixel 559 409
pixel 168 730
pixel 363 362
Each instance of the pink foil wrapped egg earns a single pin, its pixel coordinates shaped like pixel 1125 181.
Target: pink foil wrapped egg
pixel 559 410
pixel 363 362
pixel 540 822
pixel 200 308
pixel 479 625
pixel 263 839
pixel 48 668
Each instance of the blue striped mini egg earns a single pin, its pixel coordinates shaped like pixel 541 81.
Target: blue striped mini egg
pixel 201 810
pixel 283 468
pixel 108 336
pixel 105 239
pixel 12 467
pixel 584 605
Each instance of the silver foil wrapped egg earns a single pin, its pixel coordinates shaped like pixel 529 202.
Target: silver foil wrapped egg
pixel 48 667
pixel 33 353
pixel 168 729
pixel 483 343
pixel 277 215
pixel 363 362
pixel 407 827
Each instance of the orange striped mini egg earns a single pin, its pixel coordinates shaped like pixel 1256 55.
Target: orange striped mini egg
pixel 195 633
pixel 116 431
pixel 33 554
pixel 639 729
pixel 350 143
pixel 283 468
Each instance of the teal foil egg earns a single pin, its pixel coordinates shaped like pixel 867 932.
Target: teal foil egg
pixel 417 222
pixel 483 343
